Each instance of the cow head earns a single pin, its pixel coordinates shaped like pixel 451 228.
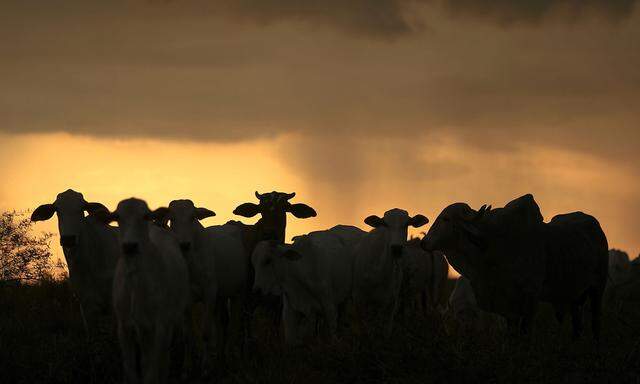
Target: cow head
pixel 266 258
pixel 455 231
pixel 396 221
pixel 182 216
pixel 273 208
pixel 70 207
pixel 133 217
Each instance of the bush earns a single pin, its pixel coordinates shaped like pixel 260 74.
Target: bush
pixel 24 256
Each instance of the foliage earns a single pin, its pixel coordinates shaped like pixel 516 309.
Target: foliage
pixel 24 256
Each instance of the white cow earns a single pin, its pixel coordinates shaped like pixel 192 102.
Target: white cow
pixel 218 266
pixel 377 270
pixel 90 249
pixel 150 291
pixel 314 274
pixel 619 266
pixel 424 275
pixel 463 306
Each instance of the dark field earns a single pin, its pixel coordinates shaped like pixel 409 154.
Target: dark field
pixel 42 340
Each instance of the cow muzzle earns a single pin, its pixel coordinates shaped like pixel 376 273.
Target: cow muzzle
pixel 396 250
pixel 130 249
pixel 185 246
pixel 68 241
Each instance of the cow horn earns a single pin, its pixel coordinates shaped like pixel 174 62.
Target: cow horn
pixel 289 196
pixel 481 212
pixel 259 196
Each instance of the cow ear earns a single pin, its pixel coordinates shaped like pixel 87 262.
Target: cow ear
pixel 301 211
pixel 474 233
pixel 43 212
pixel 203 213
pixel 291 255
pixel 160 215
pixel 247 210
pixel 374 221
pixel 92 208
pixel 418 221
pixel 104 216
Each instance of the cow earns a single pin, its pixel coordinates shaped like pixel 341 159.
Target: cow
pixel 424 275
pixel 619 266
pixel 624 280
pixel 217 266
pixel 90 249
pixel 272 208
pixel 314 274
pixel 150 291
pixel 377 271
pixel 463 307
pixel 514 260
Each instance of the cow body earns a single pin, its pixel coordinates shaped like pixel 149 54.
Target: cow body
pixel 314 274
pixel 217 271
pixel 424 275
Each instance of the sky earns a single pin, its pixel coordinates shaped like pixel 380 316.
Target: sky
pixel 357 106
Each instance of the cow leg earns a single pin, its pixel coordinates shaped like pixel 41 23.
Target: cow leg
pixel 392 315
pixel 222 327
pixel 191 362
pixel 576 318
pixel 237 324
pixel 595 297
pixel 127 338
pixel 331 317
pixel 292 325
pixel 147 353
pixel 208 328
pixel 560 312
pixel 164 335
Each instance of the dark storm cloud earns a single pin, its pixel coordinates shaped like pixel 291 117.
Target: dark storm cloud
pixel 373 18
pixel 510 11
pixel 188 70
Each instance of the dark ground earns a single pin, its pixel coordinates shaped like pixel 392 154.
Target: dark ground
pixel 42 340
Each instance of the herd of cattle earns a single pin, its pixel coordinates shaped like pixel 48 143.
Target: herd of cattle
pixel 155 266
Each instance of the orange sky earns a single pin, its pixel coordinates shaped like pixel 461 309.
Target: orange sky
pixel 221 176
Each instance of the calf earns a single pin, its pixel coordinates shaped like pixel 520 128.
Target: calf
pixel 150 291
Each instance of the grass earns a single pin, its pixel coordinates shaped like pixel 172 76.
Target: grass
pixel 43 340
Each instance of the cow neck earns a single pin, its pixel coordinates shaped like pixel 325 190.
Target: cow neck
pixel 461 257
pixel 142 267
pixel 383 264
pixel 85 260
pixel 198 235
pixel 282 266
pixel 281 222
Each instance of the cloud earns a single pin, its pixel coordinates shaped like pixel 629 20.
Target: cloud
pixel 509 12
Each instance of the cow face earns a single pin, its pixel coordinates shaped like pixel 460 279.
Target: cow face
pixel 182 216
pixel 396 221
pixel 273 208
pixel 266 258
pixel 455 223
pixel 70 207
pixel 133 217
